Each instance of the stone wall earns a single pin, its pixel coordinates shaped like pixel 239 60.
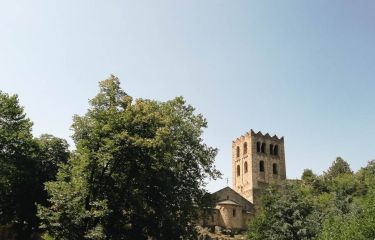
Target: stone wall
pixel 230 216
pixel 228 194
pixel 242 182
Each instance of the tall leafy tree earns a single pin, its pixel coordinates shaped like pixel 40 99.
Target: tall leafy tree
pixel 17 166
pixel 138 171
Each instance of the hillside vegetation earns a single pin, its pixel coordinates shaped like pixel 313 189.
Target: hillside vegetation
pixel 338 204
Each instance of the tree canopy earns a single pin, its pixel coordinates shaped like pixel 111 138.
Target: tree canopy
pixel 138 171
pixel 17 165
pixel 25 164
pixel 18 183
pixel 339 166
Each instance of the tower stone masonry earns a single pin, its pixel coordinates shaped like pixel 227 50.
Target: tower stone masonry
pixel 257 160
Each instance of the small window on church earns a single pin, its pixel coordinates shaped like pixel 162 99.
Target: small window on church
pixel 245 167
pixel 245 148
pixel 274 168
pixel 238 170
pixel 263 148
pixel 238 152
pixel 261 166
pixel 234 212
pixel 258 146
pixel 271 149
pixel 227 197
pixel 276 150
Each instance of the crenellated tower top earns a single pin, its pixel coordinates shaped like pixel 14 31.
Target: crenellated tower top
pixel 258 134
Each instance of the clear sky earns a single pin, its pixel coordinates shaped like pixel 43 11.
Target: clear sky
pixel 299 69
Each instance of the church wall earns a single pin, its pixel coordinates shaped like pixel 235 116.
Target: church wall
pixel 229 194
pixel 230 216
pixel 242 183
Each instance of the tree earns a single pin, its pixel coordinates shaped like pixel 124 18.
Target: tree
pixel 17 166
pixel 308 175
pixel 138 171
pixel 335 205
pixel 52 152
pixel 356 223
pixel 285 214
pixel 340 166
pixel 359 221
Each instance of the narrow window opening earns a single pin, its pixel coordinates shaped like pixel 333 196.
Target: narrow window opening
pixel 274 168
pixel 245 148
pixel 276 150
pixel 238 170
pixel 263 148
pixel 234 212
pixel 258 146
pixel 245 167
pixel 227 197
pixel 271 149
pixel 238 151
pixel 261 166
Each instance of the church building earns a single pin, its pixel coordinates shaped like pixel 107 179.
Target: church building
pixel 257 160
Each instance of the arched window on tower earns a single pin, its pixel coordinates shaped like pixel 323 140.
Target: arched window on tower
pixel 245 167
pixel 238 170
pixel 258 147
pixel 245 148
pixel 276 150
pixel 263 148
pixel 271 149
pixel 238 151
pixel 261 166
pixel 274 168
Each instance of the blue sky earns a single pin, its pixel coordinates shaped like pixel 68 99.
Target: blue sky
pixel 299 69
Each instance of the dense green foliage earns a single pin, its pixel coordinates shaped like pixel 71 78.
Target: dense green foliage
pixel 138 171
pixel 17 165
pixel 339 204
pixel 52 152
pixel 286 215
pixel 25 164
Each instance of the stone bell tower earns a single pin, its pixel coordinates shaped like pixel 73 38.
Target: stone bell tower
pixel 257 160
